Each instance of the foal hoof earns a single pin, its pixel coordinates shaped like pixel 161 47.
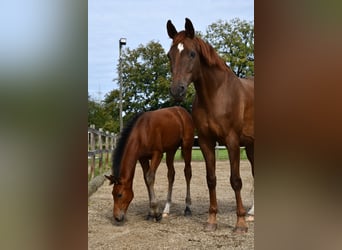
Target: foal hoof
pixel 149 217
pixel 210 227
pixel 240 230
pixel 165 215
pixel 187 212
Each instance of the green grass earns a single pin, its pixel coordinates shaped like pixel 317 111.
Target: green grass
pixel 221 154
pixel 103 169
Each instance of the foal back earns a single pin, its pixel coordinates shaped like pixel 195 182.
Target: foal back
pixel 164 130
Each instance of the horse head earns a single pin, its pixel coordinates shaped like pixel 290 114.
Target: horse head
pixel 184 58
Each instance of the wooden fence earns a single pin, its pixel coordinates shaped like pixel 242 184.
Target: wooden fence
pixel 100 146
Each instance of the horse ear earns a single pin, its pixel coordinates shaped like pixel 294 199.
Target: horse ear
pixel 111 179
pixel 171 30
pixel 189 28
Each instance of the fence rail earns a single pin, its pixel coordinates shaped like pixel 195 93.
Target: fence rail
pixel 100 145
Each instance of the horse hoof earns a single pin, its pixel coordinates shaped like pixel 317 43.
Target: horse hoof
pixel 250 218
pixel 240 230
pixel 165 215
pixel 187 212
pixel 159 217
pixel 210 227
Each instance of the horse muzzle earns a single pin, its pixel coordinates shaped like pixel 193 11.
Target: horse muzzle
pixel 178 91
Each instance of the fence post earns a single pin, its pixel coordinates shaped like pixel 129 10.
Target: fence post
pixel 100 147
pixel 107 148
pixel 113 141
pixel 92 148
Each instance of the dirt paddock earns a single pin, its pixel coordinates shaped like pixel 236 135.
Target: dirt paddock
pixel 175 231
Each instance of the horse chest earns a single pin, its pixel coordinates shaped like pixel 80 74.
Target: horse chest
pixel 207 124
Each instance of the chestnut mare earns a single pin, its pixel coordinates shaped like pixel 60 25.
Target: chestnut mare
pixel 145 138
pixel 223 109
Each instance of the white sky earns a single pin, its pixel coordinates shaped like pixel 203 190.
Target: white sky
pixel 141 22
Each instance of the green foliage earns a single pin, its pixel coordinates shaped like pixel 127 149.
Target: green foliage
pixel 101 113
pixel 234 42
pixel 146 80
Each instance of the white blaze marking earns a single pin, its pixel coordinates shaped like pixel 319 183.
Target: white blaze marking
pixel 180 47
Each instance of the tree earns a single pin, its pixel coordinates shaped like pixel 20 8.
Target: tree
pixel 234 42
pixel 146 79
pixel 100 115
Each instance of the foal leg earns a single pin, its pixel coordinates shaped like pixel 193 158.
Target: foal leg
pixel 150 177
pixel 250 156
pixel 186 151
pixel 146 166
pixel 208 150
pixel 171 177
pixel 236 183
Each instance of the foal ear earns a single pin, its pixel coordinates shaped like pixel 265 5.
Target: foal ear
pixel 171 30
pixel 189 28
pixel 111 179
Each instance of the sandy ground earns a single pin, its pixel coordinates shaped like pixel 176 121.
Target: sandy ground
pixel 175 231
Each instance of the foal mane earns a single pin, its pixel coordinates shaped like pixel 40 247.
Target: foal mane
pixel 207 52
pixel 121 144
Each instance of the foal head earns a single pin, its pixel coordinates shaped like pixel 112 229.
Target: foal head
pixel 122 196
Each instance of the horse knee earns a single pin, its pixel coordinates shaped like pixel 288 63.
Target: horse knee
pixel 211 181
pixel 171 175
pixel 236 183
pixel 188 172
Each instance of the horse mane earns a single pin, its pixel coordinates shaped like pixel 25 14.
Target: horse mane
pixel 207 51
pixel 120 145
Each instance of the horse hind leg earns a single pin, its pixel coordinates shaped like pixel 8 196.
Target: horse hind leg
pixel 171 177
pixel 250 156
pixel 236 183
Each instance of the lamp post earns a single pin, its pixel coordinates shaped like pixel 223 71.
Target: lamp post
pixel 122 42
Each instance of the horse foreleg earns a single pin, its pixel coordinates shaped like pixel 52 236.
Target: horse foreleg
pixel 208 150
pixel 171 178
pixel 236 183
pixel 188 174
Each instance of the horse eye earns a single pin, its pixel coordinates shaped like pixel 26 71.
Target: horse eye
pixel 192 54
pixel 119 195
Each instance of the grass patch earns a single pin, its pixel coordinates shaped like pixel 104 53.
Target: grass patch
pixel 221 155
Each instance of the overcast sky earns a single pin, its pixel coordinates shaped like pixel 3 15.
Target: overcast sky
pixel 141 22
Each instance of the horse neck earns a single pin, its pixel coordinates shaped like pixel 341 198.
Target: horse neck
pixel 212 80
pixel 128 163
